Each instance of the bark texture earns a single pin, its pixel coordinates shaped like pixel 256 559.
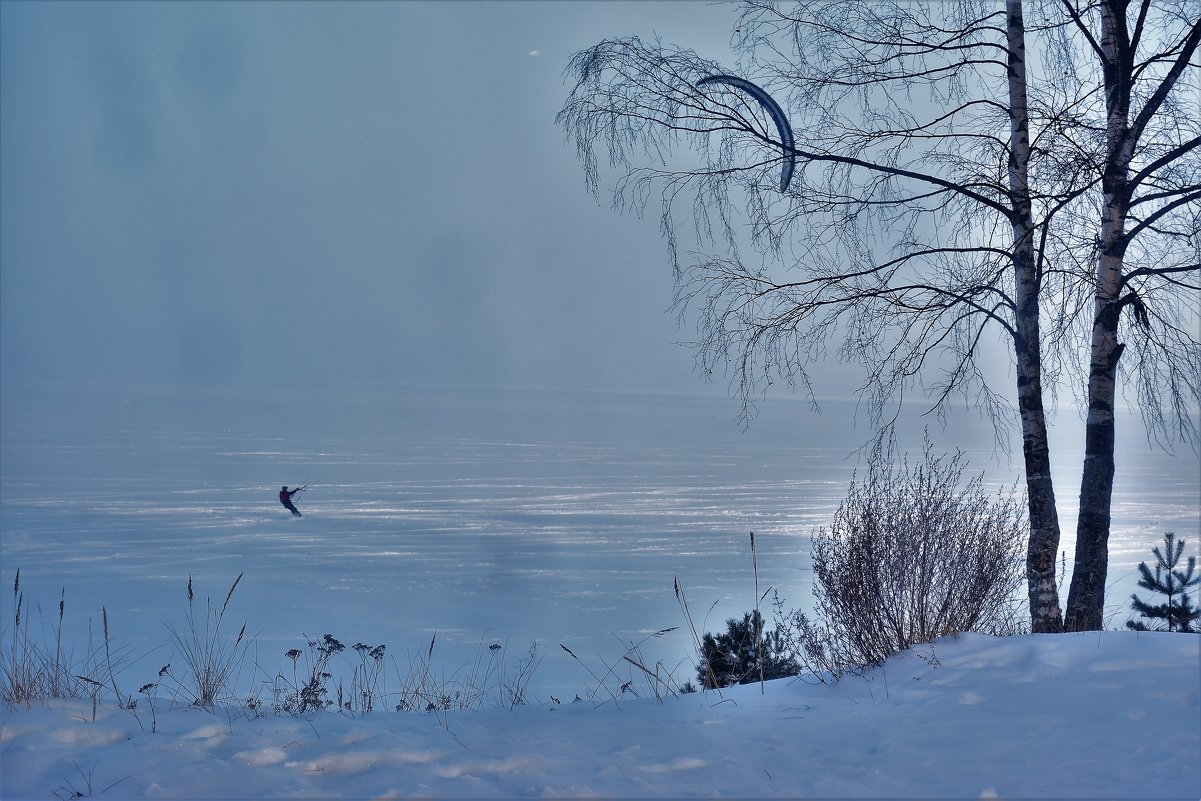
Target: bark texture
pixel 1086 596
pixel 1043 544
pixel 1150 188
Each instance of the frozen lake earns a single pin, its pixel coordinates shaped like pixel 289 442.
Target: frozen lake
pixel 488 517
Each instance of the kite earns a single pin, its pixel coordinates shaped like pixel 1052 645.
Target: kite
pixel 776 112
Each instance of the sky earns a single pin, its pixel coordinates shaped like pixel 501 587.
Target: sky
pixel 332 193
pixel 227 192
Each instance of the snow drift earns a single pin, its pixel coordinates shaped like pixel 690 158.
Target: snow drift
pixel 1101 714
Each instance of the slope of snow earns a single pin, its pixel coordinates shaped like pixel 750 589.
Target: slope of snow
pixel 1111 714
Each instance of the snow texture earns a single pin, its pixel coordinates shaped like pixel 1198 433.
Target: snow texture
pixel 1110 714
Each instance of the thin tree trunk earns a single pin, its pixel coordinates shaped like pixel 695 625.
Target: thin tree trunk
pixel 1043 544
pixel 1086 597
pixel 1044 519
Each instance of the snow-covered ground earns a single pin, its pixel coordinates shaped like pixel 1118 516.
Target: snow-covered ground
pixel 1097 715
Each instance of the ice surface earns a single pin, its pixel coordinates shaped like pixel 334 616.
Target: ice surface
pixel 485 516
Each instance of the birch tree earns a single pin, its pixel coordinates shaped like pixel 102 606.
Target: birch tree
pixel 1141 131
pixel 940 203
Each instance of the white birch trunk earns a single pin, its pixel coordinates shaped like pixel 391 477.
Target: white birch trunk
pixel 1044 519
pixel 1086 597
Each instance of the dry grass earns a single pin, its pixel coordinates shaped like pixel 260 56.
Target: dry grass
pixel 698 643
pixel 424 689
pixel 624 677
pixel 210 658
pixel 34 667
pixel 30 671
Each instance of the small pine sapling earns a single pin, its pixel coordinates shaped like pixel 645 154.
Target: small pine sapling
pixel 743 654
pixel 1178 614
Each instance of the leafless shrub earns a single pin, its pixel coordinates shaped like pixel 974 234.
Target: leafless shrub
pixel 913 553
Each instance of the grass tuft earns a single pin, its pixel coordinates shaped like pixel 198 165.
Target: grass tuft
pixel 614 684
pixel 31 671
pixel 211 660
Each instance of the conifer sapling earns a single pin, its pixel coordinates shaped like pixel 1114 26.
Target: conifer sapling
pixel 1178 614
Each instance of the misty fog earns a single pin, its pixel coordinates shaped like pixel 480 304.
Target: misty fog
pixel 375 192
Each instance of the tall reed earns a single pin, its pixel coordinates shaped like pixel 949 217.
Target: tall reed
pixel 29 670
pixel 210 659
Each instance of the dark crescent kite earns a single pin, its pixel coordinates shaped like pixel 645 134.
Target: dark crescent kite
pixel 776 112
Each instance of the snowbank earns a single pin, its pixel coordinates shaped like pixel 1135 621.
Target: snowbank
pixel 1112 714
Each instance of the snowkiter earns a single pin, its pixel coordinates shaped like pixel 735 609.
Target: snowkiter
pixel 285 497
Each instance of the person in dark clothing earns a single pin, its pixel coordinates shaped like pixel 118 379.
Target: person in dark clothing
pixel 285 497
